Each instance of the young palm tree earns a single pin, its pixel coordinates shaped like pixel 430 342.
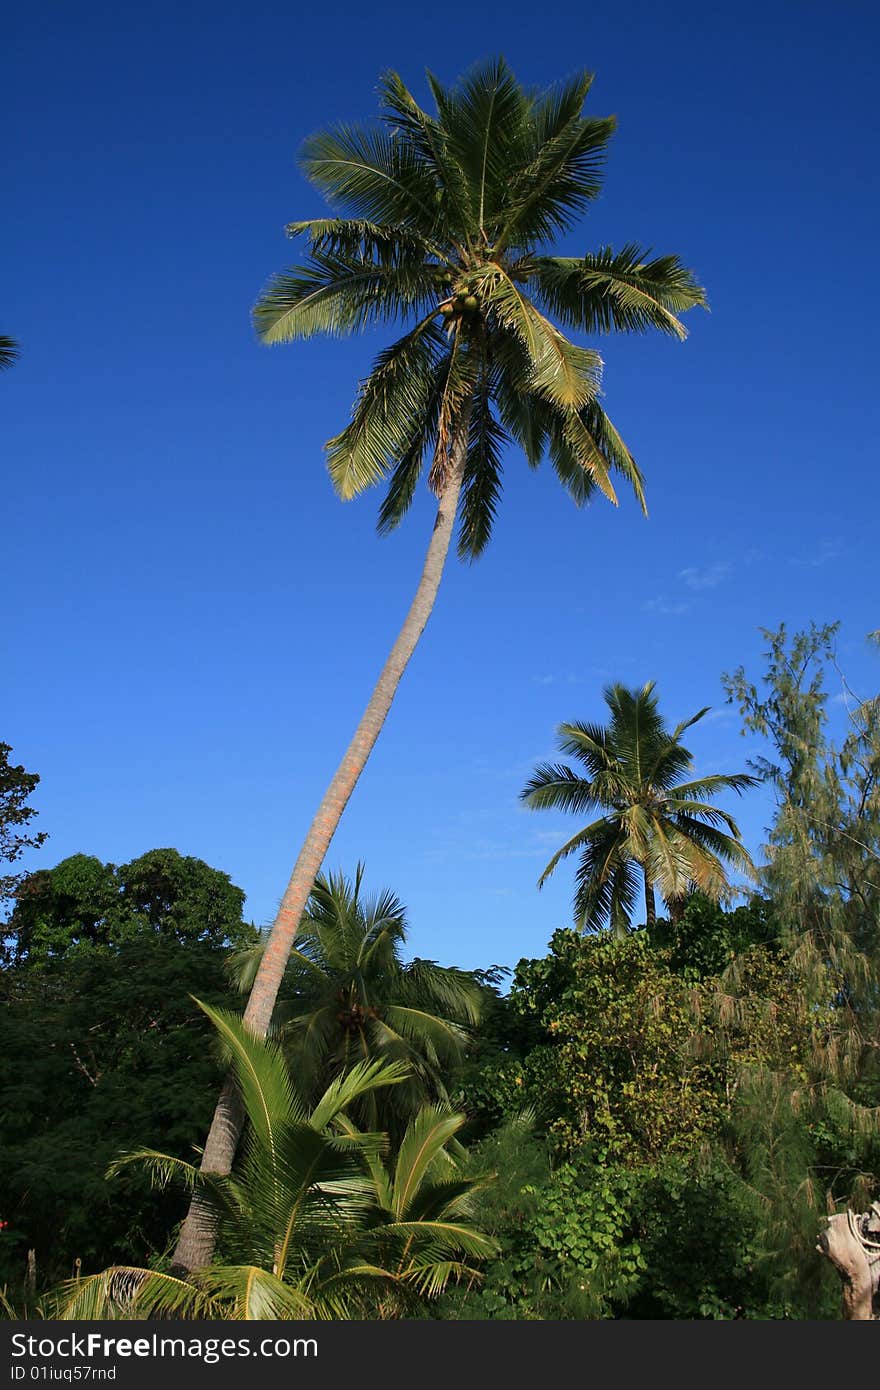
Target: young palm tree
pixel 424 1209
pixel 444 227
pixel 312 1224
pixel 9 351
pixel 651 821
pixel 348 996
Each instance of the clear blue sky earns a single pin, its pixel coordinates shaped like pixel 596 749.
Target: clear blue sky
pixel 192 621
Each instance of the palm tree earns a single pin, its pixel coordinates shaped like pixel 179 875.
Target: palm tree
pixel 348 996
pixel 423 1217
pixel 444 223
pixel 313 1224
pixel 9 351
pixel 651 821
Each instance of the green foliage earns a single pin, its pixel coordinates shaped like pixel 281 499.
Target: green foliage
pixel 100 1043
pixel 619 1070
pixel 95 1052
pixel 442 220
pixel 811 1135
pixel 16 786
pixel 593 1239
pixel 9 351
pixel 704 939
pixel 651 819
pixel 84 903
pixel 312 1223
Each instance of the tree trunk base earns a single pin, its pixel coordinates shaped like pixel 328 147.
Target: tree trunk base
pixel 851 1241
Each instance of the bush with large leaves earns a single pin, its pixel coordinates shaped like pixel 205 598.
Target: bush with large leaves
pixel 312 1224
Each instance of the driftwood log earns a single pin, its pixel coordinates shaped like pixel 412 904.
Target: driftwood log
pixel 851 1241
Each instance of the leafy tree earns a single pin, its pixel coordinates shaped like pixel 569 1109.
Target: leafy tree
pixel 97 1050
pixel 651 821
pixel 445 224
pixel 618 1068
pixel 348 996
pixel 82 902
pixel 100 1043
pixel 805 1139
pixel 704 939
pixel 312 1224
pixel 16 786
pixel 9 351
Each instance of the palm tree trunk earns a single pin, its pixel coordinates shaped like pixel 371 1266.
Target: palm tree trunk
pixel 650 904
pixel 195 1245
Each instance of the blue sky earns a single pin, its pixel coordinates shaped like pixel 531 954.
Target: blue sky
pixel 192 621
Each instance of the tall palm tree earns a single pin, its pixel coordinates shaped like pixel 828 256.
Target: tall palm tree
pixel 315 1222
pixel 444 227
pixel 348 996
pixel 9 351
pixel 650 823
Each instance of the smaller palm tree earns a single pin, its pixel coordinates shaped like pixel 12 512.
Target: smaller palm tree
pixel 423 1219
pixel 651 821
pixel 312 1224
pixel 348 996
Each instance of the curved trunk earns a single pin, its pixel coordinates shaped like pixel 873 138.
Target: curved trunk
pixel 650 904
pixel 196 1242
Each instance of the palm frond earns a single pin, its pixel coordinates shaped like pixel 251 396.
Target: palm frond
pixel 9 351
pixel 397 392
pixel 372 175
pixel 607 291
pixel 481 485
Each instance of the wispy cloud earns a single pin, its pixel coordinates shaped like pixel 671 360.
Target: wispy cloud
pixel 558 678
pixel 661 604
pixel 828 551
pixel 708 577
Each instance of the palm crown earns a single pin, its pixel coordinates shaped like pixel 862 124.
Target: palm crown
pixel 349 996
pixel 448 219
pixel 651 820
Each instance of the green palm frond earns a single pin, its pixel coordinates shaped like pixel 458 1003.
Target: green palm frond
pixel 605 886
pixel 122 1289
pixel 430 142
pixel 623 291
pixel 483 121
pixel 338 294
pixel 376 177
pixel 9 351
pixel 343 1091
pixel 370 242
pixel 556 786
pixel 481 487
pixel 564 171
pixel 583 840
pixel 263 1078
pixel 397 392
pixel 426 1137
